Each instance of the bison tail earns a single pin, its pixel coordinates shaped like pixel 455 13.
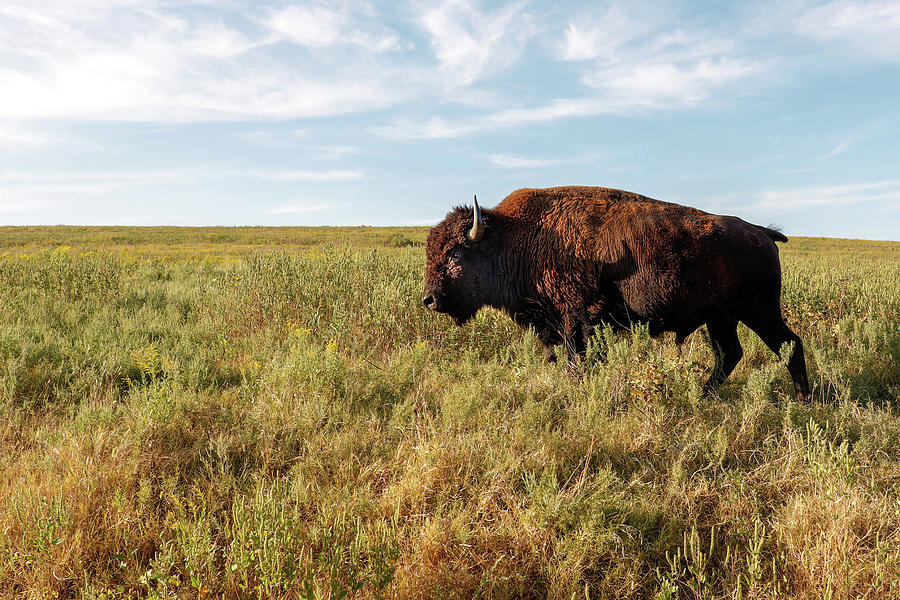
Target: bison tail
pixel 774 234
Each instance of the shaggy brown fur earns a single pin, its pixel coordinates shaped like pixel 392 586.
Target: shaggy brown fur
pixel 562 260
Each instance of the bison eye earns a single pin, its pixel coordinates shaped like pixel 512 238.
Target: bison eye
pixel 456 255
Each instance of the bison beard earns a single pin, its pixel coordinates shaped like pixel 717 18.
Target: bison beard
pixel 562 260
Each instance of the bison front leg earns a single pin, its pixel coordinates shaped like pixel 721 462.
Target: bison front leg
pixel 576 332
pixel 549 354
pixel 573 335
pixel 549 338
pixel 726 347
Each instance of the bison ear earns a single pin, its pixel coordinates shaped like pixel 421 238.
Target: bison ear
pixel 477 232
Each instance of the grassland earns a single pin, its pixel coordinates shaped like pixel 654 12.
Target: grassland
pixel 268 413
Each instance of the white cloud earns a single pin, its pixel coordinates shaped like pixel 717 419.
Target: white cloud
pixel 307 25
pixel 872 28
pixel 117 179
pixel 297 139
pixel 470 43
pixel 335 152
pixel 321 26
pixel 796 171
pixel 219 41
pixel 30 192
pixel 432 129
pixel 645 64
pixel 331 175
pixel 276 138
pixel 24 205
pixel 601 39
pixel 887 191
pixel 165 176
pixel 507 161
pixel 438 128
pixel 843 145
pixel 14 137
pixel 668 84
pixel 141 61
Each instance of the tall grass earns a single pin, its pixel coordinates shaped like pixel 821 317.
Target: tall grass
pixel 259 418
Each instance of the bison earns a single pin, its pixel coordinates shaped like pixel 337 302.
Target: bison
pixel 562 260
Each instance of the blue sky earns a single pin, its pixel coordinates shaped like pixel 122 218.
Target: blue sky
pixel 217 112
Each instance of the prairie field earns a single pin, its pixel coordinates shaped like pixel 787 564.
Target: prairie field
pixel 270 413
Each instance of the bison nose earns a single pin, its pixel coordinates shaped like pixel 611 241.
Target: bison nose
pixel 429 302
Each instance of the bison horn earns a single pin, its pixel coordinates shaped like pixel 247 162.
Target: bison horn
pixel 477 232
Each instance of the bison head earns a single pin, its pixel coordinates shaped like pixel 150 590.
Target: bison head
pixel 458 265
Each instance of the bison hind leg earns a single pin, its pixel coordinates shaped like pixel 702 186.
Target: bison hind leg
pixel 772 329
pixel 727 349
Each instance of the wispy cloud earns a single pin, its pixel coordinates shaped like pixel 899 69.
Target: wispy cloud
pixel 45 196
pixel 273 137
pixel 329 175
pixel 315 26
pixel 24 192
pixel 28 192
pixel 25 205
pixel 165 176
pixel 336 152
pixel 470 43
pixel 508 161
pixel 828 195
pixel 601 38
pixel 843 145
pixel 871 28
pixel 797 171
pixel 322 25
pixel 517 162
pixel 670 85
pixel 16 137
pixel 644 64
pixel 113 178
pixel 440 128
